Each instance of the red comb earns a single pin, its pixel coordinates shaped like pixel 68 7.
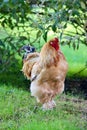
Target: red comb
pixel 55 43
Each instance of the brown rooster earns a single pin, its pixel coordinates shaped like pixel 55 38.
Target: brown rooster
pixel 47 71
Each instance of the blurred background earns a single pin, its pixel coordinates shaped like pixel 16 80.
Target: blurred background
pixel 34 22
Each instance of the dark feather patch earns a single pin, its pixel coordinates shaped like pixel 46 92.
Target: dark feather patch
pixel 27 49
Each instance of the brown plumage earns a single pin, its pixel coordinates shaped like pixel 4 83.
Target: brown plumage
pixel 47 72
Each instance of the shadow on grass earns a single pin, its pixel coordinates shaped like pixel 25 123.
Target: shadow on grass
pixel 15 79
pixel 76 86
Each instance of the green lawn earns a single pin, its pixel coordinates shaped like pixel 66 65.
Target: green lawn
pixel 17 112
pixel 76 59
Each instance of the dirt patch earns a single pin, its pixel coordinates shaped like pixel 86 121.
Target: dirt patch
pixel 74 105
pixel 76 86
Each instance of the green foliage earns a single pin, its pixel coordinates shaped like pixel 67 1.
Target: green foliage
pixel 45 16
pixel 28 21
pixel 9 49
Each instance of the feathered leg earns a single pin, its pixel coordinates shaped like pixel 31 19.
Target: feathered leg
pixel 49 105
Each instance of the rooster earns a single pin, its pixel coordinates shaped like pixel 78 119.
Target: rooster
pixel 47 71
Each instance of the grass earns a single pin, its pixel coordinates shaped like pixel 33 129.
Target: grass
pixel 76 59
pixel 17 112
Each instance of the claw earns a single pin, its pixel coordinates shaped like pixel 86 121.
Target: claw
pixel 49 105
